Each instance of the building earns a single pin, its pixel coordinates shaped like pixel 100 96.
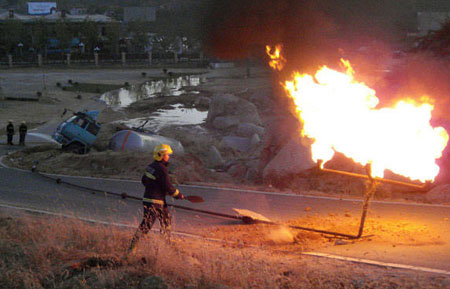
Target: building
pixel 145 14
pixel 31 23
pixel 431 21
pixel 52 18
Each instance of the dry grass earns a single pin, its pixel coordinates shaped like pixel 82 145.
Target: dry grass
pixel 50 252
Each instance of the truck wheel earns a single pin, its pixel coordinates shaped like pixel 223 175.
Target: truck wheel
pixel 74 148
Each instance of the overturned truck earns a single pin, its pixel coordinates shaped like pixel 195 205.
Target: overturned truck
pixel 78 133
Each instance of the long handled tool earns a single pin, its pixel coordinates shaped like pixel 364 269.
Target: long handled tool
pixel 194 199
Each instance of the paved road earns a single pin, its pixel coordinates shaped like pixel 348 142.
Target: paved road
pixel 25 189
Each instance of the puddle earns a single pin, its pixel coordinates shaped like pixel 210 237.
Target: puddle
pixel 165 87
pixel 177 115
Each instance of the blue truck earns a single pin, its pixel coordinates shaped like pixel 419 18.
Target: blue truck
pixel 78 133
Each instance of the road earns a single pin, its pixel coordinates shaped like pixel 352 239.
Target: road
pixel 25 189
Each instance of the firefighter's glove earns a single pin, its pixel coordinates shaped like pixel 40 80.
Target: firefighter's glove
pixel 180 196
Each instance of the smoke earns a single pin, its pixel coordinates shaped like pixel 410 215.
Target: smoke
pixel 281 235
pixel 311 31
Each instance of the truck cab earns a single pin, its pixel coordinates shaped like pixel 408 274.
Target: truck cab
pixel 78 133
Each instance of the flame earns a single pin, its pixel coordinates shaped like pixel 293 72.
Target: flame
pixel 277 61
pixel 340 115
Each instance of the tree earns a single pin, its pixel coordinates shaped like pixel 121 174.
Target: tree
pixel 39 34
pixel 113 36
pixel 63 34
pixel 89 32
pixel 12 31
pixel 139 30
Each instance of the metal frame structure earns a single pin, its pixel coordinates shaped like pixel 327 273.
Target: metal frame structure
pixel 371 186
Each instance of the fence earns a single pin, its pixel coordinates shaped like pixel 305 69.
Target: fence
pixel 102 59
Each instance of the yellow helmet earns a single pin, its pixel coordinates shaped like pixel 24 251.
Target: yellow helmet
pixel 160 150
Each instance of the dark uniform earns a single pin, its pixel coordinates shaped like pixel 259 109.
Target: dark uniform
pixel 10 132
pixel 157 185
pixel 22 132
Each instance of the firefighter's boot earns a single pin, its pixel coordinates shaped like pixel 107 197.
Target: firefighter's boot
pixel 132 247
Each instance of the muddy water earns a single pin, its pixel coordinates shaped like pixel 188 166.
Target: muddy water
pixel 166 87
pixel 176 115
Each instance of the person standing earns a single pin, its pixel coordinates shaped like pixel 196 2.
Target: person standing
pixel 22 133
pixel 157 185
pixel 10 131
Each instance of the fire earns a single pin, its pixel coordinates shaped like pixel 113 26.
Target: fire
pixel 340 114
pixel 277 61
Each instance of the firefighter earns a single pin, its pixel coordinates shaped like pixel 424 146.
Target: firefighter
pixel 22 133
pixel 10 131
pixel 157 185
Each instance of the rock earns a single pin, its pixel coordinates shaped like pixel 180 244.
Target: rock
pixel 229 163
pixel 340 242
pixel 237 171
pixel 294 158
pixel 253 175
pixel 231 105
pixel 238 143
pixel 439 194
pixel 261 97
pixel 255 140
pixel 214 157
pixel 153 282
pixel 249 129
pixel 202 102
pixel 220 104
pixel 225 122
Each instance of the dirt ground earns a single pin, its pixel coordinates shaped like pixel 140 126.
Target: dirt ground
pixel 102 162
pixel 73 254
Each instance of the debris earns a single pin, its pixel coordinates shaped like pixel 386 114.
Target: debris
pixel 340 242
pixel 252 215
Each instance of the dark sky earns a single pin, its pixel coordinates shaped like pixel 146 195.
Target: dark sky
pixel 315 33
pixel 237 28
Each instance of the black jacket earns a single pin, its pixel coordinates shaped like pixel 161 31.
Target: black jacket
pixel 23 129
pixel 10 129
pixel 157 184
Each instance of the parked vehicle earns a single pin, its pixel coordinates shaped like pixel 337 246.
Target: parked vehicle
pixel 78 133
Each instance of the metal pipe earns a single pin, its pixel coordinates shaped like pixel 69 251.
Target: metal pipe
pixel 368 195
pixel 422 188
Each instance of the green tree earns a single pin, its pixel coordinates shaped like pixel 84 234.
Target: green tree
pixel 12 31
pixel 139 31
pixel 39 33
pixel 63 34
pixel 113 36
pixel 89 34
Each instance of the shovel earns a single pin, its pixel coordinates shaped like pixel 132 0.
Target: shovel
pixel 194 199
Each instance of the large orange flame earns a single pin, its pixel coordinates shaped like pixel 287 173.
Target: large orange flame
pixel 340 115
pixel 277 61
